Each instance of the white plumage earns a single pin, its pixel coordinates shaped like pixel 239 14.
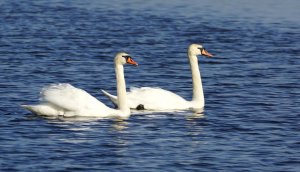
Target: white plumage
pixel 152 99
pixel 158 99
pixel 67 100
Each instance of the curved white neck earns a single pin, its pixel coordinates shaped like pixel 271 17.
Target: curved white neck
pixel 121 91
pixel 198 95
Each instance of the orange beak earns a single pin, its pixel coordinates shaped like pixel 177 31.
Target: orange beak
pixel 131 61
pixel 206 53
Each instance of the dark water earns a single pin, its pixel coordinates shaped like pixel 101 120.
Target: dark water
pixel 251 120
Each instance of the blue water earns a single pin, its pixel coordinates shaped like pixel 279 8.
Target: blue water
pixel 251 119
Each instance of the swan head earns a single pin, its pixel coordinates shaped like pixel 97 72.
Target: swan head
pixel 197 49
pixel 124 58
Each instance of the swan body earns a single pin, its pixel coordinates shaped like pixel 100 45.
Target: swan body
pixel 148 98
pixel 157 99
pixel 67 100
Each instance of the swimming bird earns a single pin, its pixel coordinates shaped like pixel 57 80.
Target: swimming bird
pixel 158 99
pixel 66 100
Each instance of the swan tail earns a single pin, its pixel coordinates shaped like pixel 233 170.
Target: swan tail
pixel 43 109
pixel 112 98
pixel 28 107
pixel 35 109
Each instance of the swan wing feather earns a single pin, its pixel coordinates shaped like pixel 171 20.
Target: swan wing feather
pixel 112 98
pixel 70 98
pixel 155 98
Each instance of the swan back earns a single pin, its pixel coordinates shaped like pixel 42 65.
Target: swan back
pixel 156 99
pixel 72 99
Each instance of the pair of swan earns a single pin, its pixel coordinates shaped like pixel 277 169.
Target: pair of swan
pixel 66 100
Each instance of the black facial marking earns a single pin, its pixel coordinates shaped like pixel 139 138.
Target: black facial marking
pixel 127 57
pixel 201 49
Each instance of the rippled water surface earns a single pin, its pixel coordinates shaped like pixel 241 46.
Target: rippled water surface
pixel 251 118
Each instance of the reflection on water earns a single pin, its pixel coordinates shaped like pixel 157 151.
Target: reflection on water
pixel 120 125
pixel 85 130
pixel 84 122
pixel 195 116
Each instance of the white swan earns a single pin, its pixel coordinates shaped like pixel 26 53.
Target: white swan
pixel 66 100
pixel 158 99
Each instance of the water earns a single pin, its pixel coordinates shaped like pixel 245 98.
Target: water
pixel 251 118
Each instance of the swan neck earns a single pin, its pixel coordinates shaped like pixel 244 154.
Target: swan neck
pixel 198 95
pixel 121 91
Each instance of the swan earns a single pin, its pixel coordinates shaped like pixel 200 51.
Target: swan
pixel 68 101
pixel 157 99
